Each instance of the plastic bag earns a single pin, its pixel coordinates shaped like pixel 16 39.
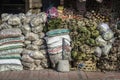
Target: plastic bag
pixel 11 51
pixel 27 58
pixel 98 52
pixel 43 16
pixel 100 41
pixel 106 49
pixel 38 42
pixel 25 28
pixel 31 36
pixel 32 47
pixel 44 63
pixel 37 55
pixel 36 21
pixel 103 27
pixel 34 54
pixel 14 32
pixel 37 62
pixel 41 35
pixel 5 17
pixel 27 42
pixel 38 29
pixel 5 26
pixel 14 20
pixel 108 35
pixel 28 66
pixel 52 12
pixel 22 17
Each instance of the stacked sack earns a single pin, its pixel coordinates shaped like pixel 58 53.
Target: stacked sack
pixel 56 46
pixel 34 56
pixel 11 43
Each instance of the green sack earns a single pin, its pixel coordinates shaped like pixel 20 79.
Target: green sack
pixel 11 51
pixel 11 40
pixel 57 32
pixel 11 56
pixel 11 46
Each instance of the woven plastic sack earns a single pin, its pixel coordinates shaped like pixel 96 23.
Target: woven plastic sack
pixel 58 43
pixel 7 33
pixel 31 36
pixel 14 20
pixel 54 39
pixel 11 40
pixel 59 49
pixel 9 67
pixel 11 51
pixel 27 58
pixel 11 56
pixel 57 32
pixel 10 61
pixel 11 46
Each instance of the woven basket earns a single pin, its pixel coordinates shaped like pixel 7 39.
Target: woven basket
pixel 88 66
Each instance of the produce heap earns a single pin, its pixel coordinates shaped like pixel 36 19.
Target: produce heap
pixel 87 37
pixel 111 61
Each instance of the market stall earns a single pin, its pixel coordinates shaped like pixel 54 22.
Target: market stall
pixel 83 35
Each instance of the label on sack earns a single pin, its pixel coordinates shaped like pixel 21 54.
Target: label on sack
pixel 59 49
